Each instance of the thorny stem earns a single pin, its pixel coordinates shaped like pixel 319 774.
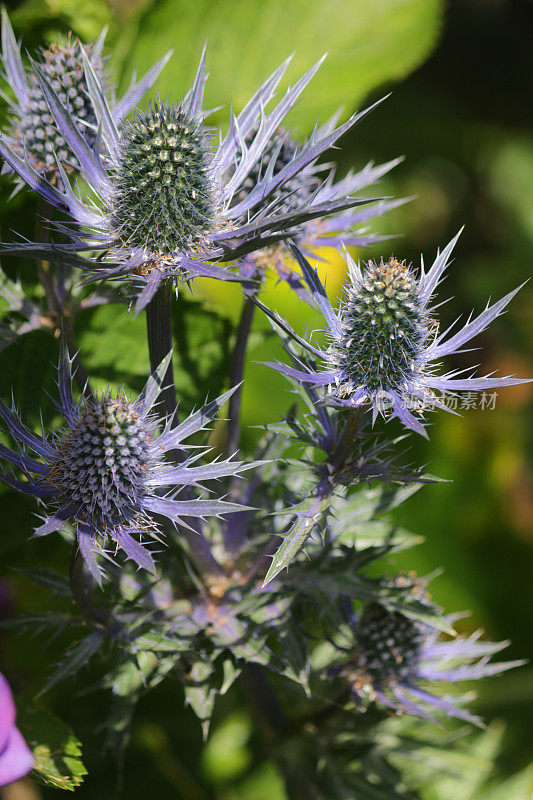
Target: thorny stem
pixel 236 373
pixel 274 728
pixel 159 329
pixel 347 439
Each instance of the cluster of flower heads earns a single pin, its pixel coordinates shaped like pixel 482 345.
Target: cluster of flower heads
pixel 166 203
pixel 341 229
pixel 107 470
pixel 384 341
pixel 170 203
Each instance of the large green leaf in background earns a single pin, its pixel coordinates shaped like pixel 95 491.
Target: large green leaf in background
pixel 370 42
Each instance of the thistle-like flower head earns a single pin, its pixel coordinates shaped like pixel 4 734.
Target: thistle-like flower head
pixel 101 461
pixel 164 197
pixel 317 183
pixel 400 662
pixel 383 328
pixel 167 204
pixel 34 134
pixel 384 342
pixel 105 472
pixel 388 645
pixel 281 150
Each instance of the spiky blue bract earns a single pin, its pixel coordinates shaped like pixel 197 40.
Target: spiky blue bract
pixel 384 344
pixel 399 663
pixel 33 131
pixel 316 182
pixel 205 219
pixel 106 472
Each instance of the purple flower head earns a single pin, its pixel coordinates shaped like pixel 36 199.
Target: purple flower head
pixel 384 342
pixel 347 227
pixel 105 472
pixel 33 132
pixel 16 758
pixel 402 664
pixel 166 204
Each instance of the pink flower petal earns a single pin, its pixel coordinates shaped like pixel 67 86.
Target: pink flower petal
pixel 16 759
pixel 7 712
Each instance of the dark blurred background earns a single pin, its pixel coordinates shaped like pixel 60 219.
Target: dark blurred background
pixel 460 111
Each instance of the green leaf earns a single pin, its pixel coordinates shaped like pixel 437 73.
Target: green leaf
pixel 76 658
pixel 56 583
pixel 369 45
pixel 312 514
pixel 128 682
pixel 200 693
pixel 57 751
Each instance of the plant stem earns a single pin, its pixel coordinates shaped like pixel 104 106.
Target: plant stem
pixel 159 326
pixel 59 315
pixel 236 373
pixel 346 440
pixel 82 587
pixel 274 728
pixel 43 267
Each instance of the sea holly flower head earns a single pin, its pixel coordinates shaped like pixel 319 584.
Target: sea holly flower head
pixel 16 758
pixel 164 165
pixel 166 204
pixel 33 132
pixel 385 346
pixel 106 471
pixel 315 182
pixel 36 133
pixel 399 663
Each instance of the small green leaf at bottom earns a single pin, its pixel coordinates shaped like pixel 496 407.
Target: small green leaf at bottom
pixel 56 749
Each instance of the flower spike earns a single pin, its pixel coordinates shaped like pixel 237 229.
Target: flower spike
pixel 166 206
pixel 34 133
pixel 398 663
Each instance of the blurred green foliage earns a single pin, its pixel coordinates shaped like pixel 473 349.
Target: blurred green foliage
pixel 461 122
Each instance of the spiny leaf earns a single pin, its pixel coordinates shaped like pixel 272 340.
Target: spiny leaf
pixel 57 751
pixel 200 693
pixel 75 658
pixel 311 514
pixel 56 583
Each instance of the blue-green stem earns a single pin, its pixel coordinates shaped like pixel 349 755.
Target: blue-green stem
pixel 238 359
pixel 159 329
